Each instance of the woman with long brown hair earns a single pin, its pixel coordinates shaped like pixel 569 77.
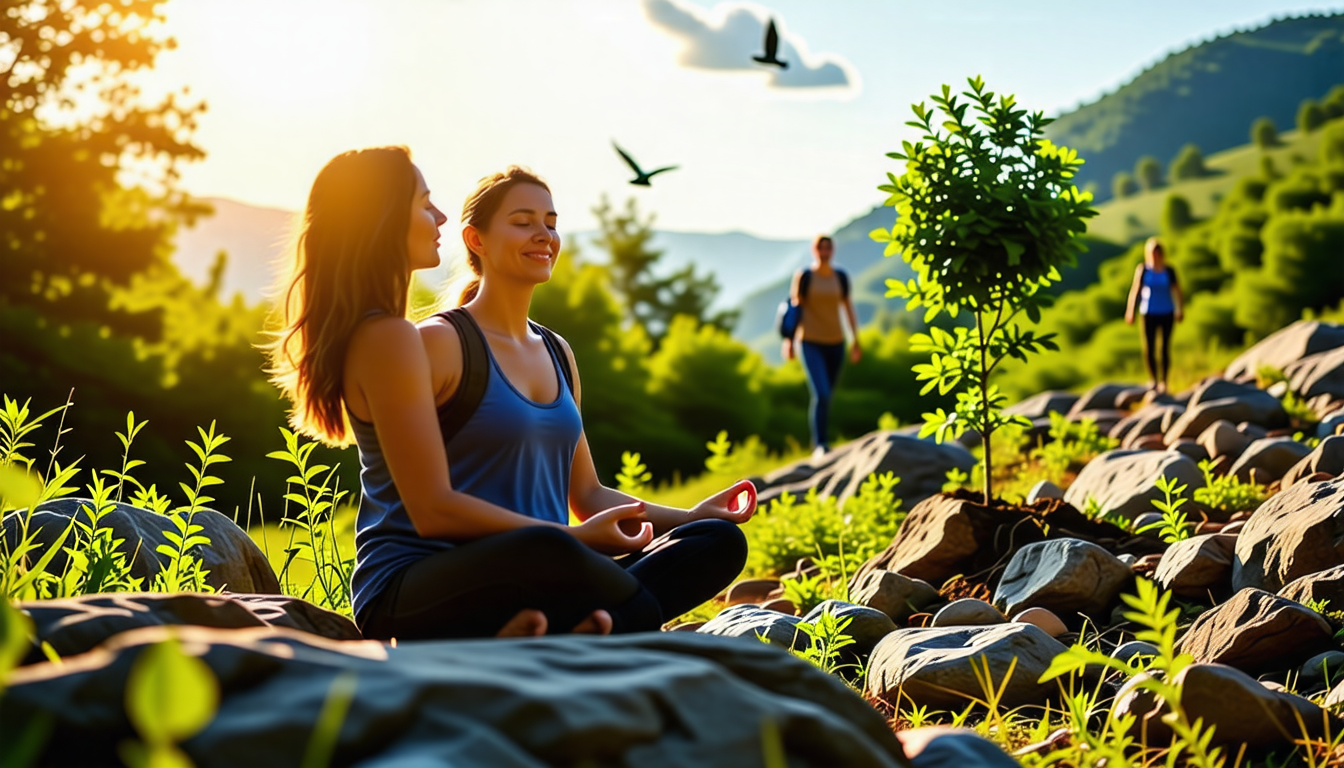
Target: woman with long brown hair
pixel 468 427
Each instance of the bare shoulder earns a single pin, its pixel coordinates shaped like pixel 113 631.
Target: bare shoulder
pixel 443 347
pixel 380 340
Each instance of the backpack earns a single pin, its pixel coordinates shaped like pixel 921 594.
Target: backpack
pixel 476 369
pixel 788 315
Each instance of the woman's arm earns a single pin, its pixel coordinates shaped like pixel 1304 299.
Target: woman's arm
pixel 1134 294
pixel 855 351
pixel 1177 296
pixel 589 497
pixel 795 289
pixel 387 364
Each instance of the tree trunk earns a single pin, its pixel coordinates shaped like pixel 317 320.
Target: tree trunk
pixel 984 408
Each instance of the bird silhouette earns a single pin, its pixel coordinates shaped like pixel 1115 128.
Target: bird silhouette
pixel 641 178
pixel 771 55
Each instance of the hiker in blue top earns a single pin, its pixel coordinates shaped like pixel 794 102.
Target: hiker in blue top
pixel 1161 304
pixel 471 443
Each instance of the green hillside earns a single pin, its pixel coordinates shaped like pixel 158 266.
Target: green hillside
pixel 1208 94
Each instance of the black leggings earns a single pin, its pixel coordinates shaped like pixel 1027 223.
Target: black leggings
pixel 1152 325
pixel 474 589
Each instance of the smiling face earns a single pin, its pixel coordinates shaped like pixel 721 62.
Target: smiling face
pixel 422 236
pixel 521 242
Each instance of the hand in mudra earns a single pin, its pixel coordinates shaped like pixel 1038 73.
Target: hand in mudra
pixel 736 504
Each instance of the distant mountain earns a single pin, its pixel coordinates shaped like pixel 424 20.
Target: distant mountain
pixel 1208 94
pixel 254 238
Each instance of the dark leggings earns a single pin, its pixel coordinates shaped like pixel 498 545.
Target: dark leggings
pixel 822 363
pixel 474 589
pixel 1153 325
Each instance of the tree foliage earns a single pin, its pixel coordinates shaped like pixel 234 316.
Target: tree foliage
pixel 986 215
pixel 1189 164
pixel 1149 173
pixel 1123 185
pixel 1264 134
pixel 1310 116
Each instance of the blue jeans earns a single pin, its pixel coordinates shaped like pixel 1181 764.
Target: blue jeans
pixel 822 363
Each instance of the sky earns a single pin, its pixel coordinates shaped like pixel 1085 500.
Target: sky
pixel 472 86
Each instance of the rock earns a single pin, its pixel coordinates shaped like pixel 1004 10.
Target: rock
pixel 967 612
pixel 1221 438
pixel 1063 575
pixel 1198 565
pixel 1125 482
pixel 1215 388
pixel 933 666
pixel 1321 671
pixel 1328 457
pixel 1253 431
pixel 1332 424
pixel 1239 708
pixel 1267 460
pixel 1146 519
pixel 1318 374
pixel 689 626
pixel 750 621
pixel 781 605
pixel 1049 623
pixel 1258 408
pixel 1147 443
pixel 563 700
pixel 1044 490
pixel 952 534
pixel 1152 420
pixel 1233 527
pixel 76 625
pixel 1256 631
pixel 867 626
pixel 896 596
pixel 1104 419
pixel 1102 396
pixel 1129 397
pixel 1286 346
pixel 1042 404
pixel 753 591
pixel 1190 449
pixel 234 562
pixel 1296 532
pixel 922 466
pixel 1127 559
pixel 942 746
pixel 1127 651
pixel 1327 586
pixel 1278 389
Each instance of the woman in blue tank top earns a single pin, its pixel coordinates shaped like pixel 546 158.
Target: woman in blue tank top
pixel 466 534
pixel 1157 294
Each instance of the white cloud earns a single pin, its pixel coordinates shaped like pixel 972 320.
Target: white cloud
pixel 727 38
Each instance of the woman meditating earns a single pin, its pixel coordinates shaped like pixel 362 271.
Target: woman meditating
pixel 468 426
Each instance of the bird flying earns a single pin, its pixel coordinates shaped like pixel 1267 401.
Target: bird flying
pixel 771 55
pixel 641 178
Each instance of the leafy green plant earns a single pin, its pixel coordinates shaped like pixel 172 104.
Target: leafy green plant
pixel 1071 446
pixel 313 537
pixel 1267 375
pixel 826 638
pixel 1299 412
pixel 183 571
pixel 1149 610
pixel 1227 494
pixel 634 476
pixel 170 697
pixel 986 215
pixel 956 479
pixel 1173 526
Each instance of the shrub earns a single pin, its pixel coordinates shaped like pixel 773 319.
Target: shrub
pixel 1189 164
pixel 1264 134
pixel 1149 173
pixel 1123 185
pixel 1227 494
pixel 1310 116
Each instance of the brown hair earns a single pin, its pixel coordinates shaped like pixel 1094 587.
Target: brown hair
pixel 819 239
pixel 482 205
pixel 349 260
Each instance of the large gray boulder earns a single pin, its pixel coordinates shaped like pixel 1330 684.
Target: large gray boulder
pixel 76 625
pixel 1319 374
pixel 655 699
pixel 1296 532
pixel 933 667
pixel 1101 396
pixel 1125 482
pixel 1268 459
pixel 1323 586
pixel 1066 576
pixel 1042 404
pixel 942 746
pixel 1257 631
pixel 1221 438
pixel 1255 407
pixel 922 466
pixel 1286 346
pixel 233 560
pixel 1198 566
pixel 866 626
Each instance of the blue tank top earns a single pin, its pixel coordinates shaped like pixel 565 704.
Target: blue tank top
pixel 1156 293
pixel 512 452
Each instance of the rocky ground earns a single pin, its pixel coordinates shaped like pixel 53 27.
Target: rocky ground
pixel 964 593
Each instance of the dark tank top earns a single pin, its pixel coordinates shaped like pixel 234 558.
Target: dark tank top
pixel 512 452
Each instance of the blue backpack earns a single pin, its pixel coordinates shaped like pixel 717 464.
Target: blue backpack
pixel 788 315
